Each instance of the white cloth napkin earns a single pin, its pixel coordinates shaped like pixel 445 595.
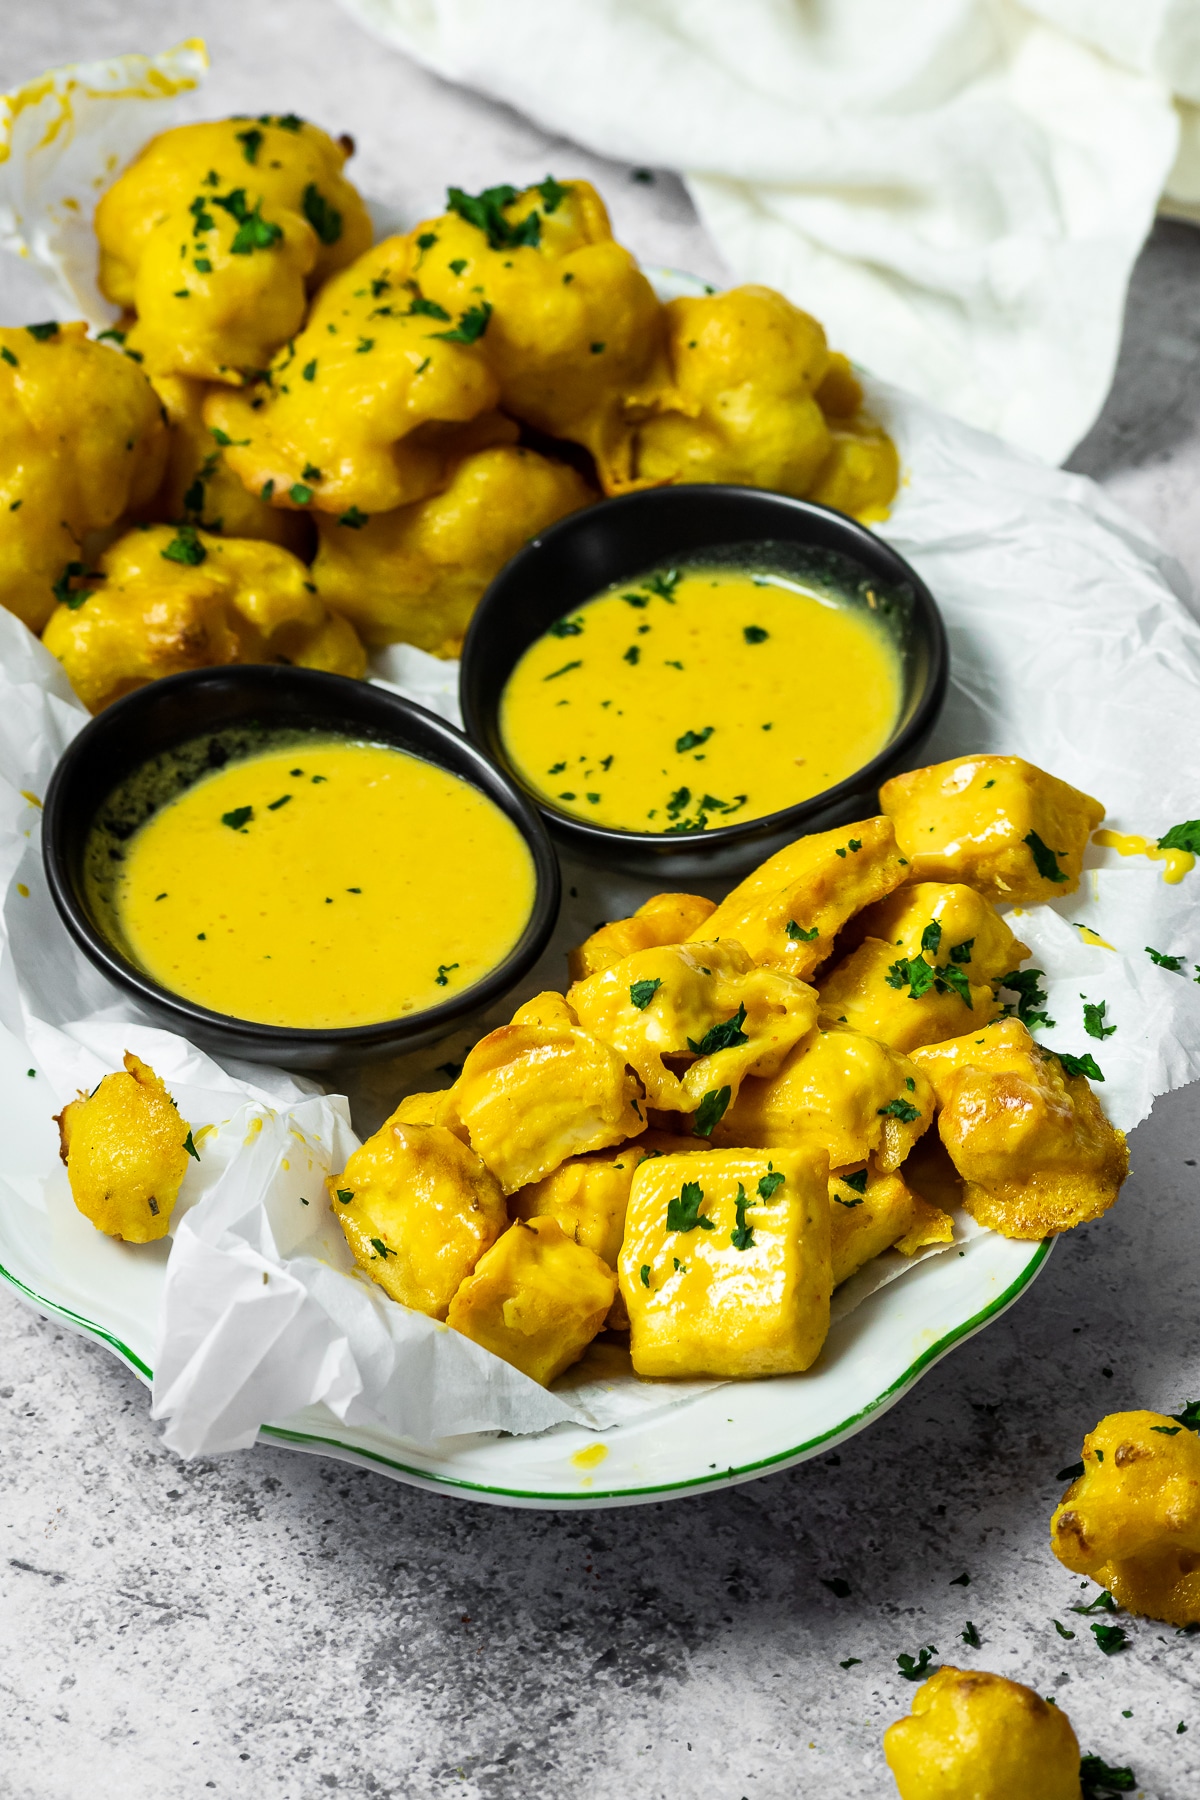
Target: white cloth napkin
pixel 956 188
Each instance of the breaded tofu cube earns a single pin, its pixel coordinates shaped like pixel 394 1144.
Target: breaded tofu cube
pixel 849 1093
pixel 725 1268
pixel 998 823
pixel 977 1736
pixel 904 1001
pixel 706 1005
pixel 126 1150
pixel 418 1209
pixel 1131 1521
pixel 788 912
pixel 537 1299
pixel 945 922
pixel 541 1089
pixel 1036 1153
pixel 870 1212
pixel 664 919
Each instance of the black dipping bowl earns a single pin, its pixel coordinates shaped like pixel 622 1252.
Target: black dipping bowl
pixel 619 539
pixel 181 708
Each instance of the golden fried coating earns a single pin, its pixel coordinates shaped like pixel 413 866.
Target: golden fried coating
pixel 996 822
pixel 869 1212
pixel 725 1268
pixel 588 1196
pixel 82 441
pixel 861 474
pixel 788 912
pixel 537 1299
pixel 418 1209
pixel 703 1005
pixel 574 334
pixel 416 575
pixel 850 1094
pixel 972 1735
pixel 126 1150
pixel 1131 1521
pixel 746 365
pixel 945 922
pixel 200 487
pixel 214 236
pixel 173 598
pixel 436 1108
pixel 905 1001
pixel 542 1089
pixel 664 919
pixel 1034 1149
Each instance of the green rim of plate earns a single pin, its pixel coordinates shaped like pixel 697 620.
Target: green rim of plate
pixel 431 1479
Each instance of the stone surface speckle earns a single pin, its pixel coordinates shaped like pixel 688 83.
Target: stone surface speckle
pixel 281 1626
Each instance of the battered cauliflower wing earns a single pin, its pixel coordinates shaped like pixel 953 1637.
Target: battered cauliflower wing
pixel 1036 1153
pixel 418 1209
pixel 998 823
pixel 537 1299
pixel 416 575
pixel 664 919
pixel 200 487
pixel 788 912
pixel 705 1006
pixel 1131 1521
pixel 862 471
pixel 82 441
pixel 588 1196
pixel 215 235
pixel 173 598
pixel 968 931
pixel 870 1212
pixel 126 1150
pixel 976 1736
pixel 542 1089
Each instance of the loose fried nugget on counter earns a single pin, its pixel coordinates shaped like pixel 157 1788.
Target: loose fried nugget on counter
pixel 542 1089
pixel 200 487
pixel 126 1151
pixel 847 1092
pixel 216 233
pixel 972 1735
pixel 1131 1521
pixel 1035 1151
pixel 416 575
pixel 173 598
pixel 870 1212
pixel 82 441
pixel 537 1299
pixel 788 912
pixel 663 919
pixel 998 823
pixel 418 1209
pixel 705 1004
pixel 725 1268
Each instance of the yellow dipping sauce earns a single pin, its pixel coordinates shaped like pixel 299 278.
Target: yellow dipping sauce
pixel 324 884
pixel 687 699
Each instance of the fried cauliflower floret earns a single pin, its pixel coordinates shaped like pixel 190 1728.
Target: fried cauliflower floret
pixel 537 1299
pixel 997 823
pixel 215 235
pixel 1035 1151
pixel 173 598
pixel 418 1209
pixel 82 441
pixel 725 1268
pixel 663 919
pixel 850 1094
pixel 705 1005
pixel 542 1089
pixel 1131 1521
pixel 870 1212
pixel 746 365
pixel 575 334
pixel 588 1196
pixel 126 1151
pixel 968 931
pixel 416 575
pixel 201 489
pixel 861 474
pixel 905 1001
pixel 788 912
pixel 976 1736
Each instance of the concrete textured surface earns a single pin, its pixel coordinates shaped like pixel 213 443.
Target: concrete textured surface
pixel 280 1627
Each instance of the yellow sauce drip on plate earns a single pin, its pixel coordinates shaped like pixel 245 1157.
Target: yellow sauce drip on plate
pixel 685 701
pixel 327 884
pixel 1178 862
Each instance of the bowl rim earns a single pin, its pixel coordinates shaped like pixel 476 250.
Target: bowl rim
pixel 463 758
pixel 481 723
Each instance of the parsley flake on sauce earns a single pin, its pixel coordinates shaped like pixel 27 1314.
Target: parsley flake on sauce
pixel 632 655
pixel 641 993
pixel 711 1111
pixel 299 493
pixel 345 1195
pixel 683 1213
pixel 566 628
pixel 471 325
pixel 442 978
pixel 798 934
pixel 251 142
pixel 754 634
pixel 325 219
pixel 381 1248
pixel 566 668
pixel 485 212
pixel 239 818
pixel 1044 858
pixel 742 1235
pixel 427 308
pixel 185 547
pixel 769 1182
pixel 644 1273
pixel 42 332
pixel 253 231
pixel 728 1035
pixel 274 805
pixel 553 193
pixel 353 518
pixel 692 739
pixel 9 358
pixel 899 1109
pixel 662 586
pixel 857 1181
pixel 1182 837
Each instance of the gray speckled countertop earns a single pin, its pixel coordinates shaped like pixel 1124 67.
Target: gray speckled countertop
pixel 272 1625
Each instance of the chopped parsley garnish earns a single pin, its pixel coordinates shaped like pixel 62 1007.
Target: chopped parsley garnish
pixel 1173 963
pixel 442 978
pixel 1110 1638
pixel 310 472
pixel 223 438
pixel 42 332
pixel 426 241
pixel 1167 1430
pixel 644 1272
pixel 364 345
pixel 855 845
pixel 9 358
pixel 633 654
pixel 1100 1779
pixel 663 586
pixel 285 122
pixel 309 371
pixel 754 634
pixel 458 265
pixel 185 547
pixel 1032 999
pixel 253 231
pixel 189 1144
pixel 915 1668
pixel 428 309
pixel 971 1636
pixel 598 349
pixel 251 142
pixel 798 934
pixel 931 938
pixel 1062 1630
pixel 1103 1602
pixel 1080 1065
pixel 1093 1019
pixel 353 518
pixel 566 628
pixel 692 739
pixel 711 1111
pixel 300 493
pixel 899 1109
pixel 920 976
pixel 485 212
pixel 381 1248
pixel 1182 837
pixel 274 805
pixel 769 1182
pixel 345 1195
pixel 851 1662
pixel 683 1213
pixel 566 668
pixel 268 488
pixel 1045 859
pixel 643 992
pixel 553 193
pixel 64 593
pixel 325 219
pixel 857 1181
pixel 1190 1416
pixel 471 325
pixel 638 600
pixel 1071 1473
pixel 678 801
pixel 961 953
pixel 742 1235
pixel 728 1035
